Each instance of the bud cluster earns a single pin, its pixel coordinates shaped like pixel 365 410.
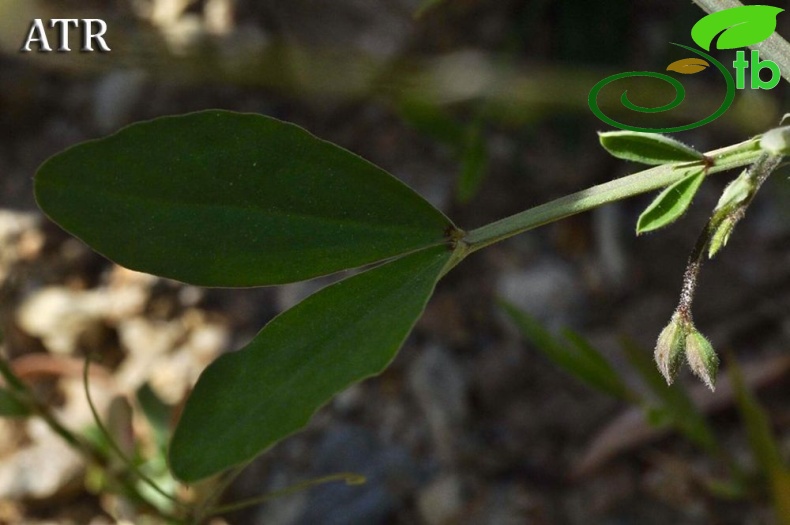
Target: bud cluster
pixel 680 339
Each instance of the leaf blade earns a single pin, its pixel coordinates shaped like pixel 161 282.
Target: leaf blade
pixel 218 198
pixel 647 148
pixel 578 358
pixel 340 335
pixel 670 204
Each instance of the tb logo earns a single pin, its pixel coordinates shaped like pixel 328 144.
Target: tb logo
pixel 730 29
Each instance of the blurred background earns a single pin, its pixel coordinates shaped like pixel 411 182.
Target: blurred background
pixel 480 106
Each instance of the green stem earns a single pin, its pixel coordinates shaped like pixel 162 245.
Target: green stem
pixel 127 461
pixel 25 396
pixel 82 447
pixel 207 507
pixel 724 159
pixel 348 477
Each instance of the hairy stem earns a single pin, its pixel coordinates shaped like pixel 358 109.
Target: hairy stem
pixel 651 179
pixel 757 173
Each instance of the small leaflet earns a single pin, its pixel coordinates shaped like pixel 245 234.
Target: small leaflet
pixel 647 148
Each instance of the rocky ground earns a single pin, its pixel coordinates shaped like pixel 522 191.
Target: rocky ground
pixel 470 424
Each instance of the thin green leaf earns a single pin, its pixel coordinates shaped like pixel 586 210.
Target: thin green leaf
pixel 674 402
pixel 647 148
pixel 248 400
pixel 156 411
pixel 218 198
pixel 670 204
pixel 762 441
pixel 474 162
pixel 579 359
pixel 609 379
pixel 11 406
pixel 739 27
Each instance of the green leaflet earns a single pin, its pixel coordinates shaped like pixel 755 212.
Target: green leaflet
pixel 158 414
pixel 248 400
pixel 670 203
pixel 739 27
pixel 217 198
pixel 647 148
pixel 576 356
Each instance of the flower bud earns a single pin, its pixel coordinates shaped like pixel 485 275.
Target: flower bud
pixel 702 358
pixel 669 348
pixel 776 141
pixel 721 235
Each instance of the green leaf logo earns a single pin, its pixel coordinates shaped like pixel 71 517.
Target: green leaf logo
pixel 739 27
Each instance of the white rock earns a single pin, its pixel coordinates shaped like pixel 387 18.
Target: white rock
pixel 59 316
pixel 146 342
pixel 14 226
pixel 219 15
pixel 41 469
